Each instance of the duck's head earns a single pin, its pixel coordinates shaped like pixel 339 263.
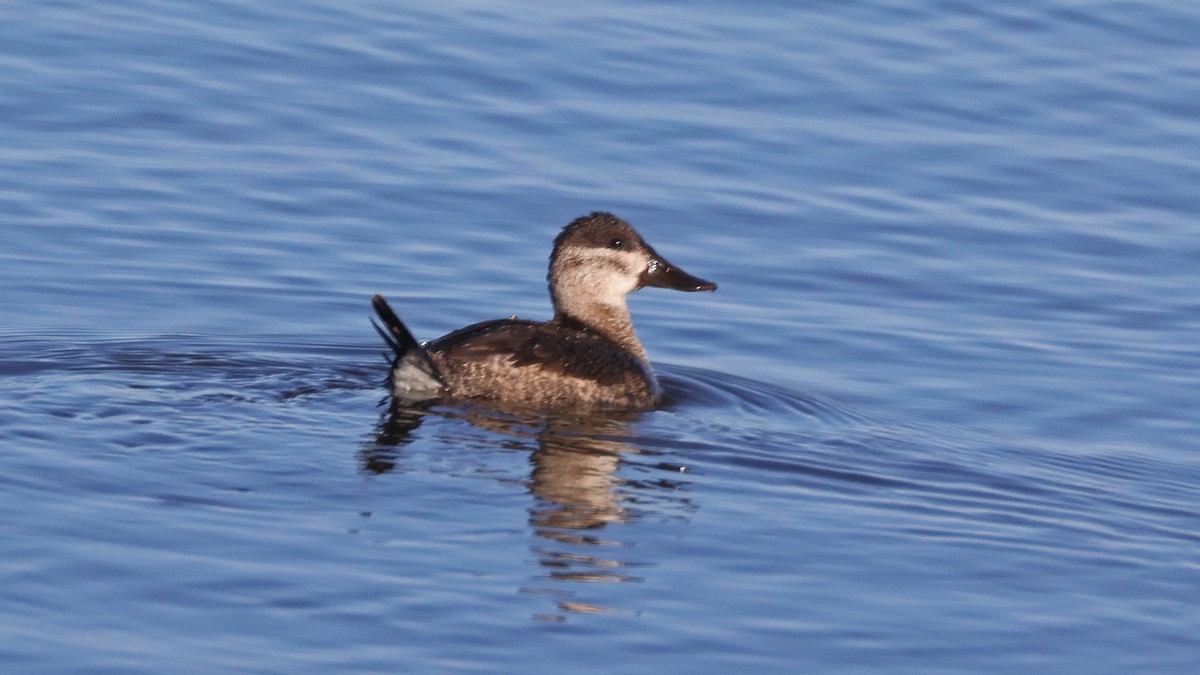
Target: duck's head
pixel 599 259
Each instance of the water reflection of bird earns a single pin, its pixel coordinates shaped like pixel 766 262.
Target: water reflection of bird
pixel 574 477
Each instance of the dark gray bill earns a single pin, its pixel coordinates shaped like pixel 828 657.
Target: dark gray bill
pixel 663 274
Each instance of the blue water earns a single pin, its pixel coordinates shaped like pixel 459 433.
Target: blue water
pixel 941 415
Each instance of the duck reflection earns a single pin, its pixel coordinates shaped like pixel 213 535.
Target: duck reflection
pixel 574 478
pixel 393 433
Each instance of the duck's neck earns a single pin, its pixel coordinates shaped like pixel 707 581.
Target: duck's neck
pixel 611 321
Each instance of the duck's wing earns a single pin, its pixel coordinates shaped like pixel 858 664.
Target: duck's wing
pixel 414 376
pixel 549 347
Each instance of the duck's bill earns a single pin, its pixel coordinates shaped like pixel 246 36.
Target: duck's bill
pixel 662 274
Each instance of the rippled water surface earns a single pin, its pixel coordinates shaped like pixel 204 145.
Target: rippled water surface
pixel 940 416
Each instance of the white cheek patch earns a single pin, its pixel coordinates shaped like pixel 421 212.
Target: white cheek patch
pixel 617 274
pixel 601 276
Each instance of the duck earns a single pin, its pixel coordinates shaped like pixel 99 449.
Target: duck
pixel 588 356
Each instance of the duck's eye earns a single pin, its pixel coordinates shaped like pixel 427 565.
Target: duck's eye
pixel 617 244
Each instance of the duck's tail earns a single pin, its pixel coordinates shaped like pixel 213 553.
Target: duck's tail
pixel 414 376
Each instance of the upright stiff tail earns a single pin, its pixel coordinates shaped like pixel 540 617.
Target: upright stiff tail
pixel 414 376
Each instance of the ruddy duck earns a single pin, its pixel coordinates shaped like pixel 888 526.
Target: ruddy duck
pixel 587 356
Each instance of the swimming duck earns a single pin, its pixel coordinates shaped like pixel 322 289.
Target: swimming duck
pixel 588 356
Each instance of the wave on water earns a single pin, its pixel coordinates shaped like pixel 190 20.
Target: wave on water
pixel 250 366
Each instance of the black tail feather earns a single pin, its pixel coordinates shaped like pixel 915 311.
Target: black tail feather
pixel 414 374
pixel 395 327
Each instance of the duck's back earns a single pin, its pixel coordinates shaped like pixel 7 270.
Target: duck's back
pixel 544 365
